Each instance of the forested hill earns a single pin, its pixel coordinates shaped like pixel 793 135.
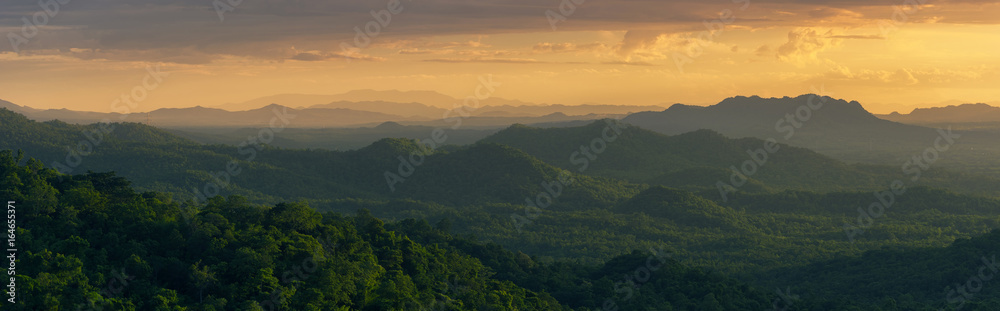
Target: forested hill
pixel 50 136
pixel 754 116
pixel 961 276
pixel 642 155
pixel 577 250
pixel 964 113
pixel 89 242
pixel 700 159
pixel 838 128
pixel 478 173
pixel 390 168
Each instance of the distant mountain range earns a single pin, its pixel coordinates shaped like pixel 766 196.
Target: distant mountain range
pixel 137 151
pixel 682 160
pixel 405 109
pixel 429 104
pixel 482 186
pixel 352 109
pixel 321 116
pixel 697 160
pixel 838 128
pixel 212 117
pixel 693 161
pixel 834 127
pixel 963 113
pixel 490 115
pixel 766 117
pixel 429 98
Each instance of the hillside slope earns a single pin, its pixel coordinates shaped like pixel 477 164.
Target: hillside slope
pixel 699 160
pixel 833 127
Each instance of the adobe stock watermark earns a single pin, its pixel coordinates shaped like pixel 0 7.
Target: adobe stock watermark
pixel 249 148
pixel 453 288
pixel 222 7
pixel 916 166
pixel 123 105
pixel 30 27
pixel 298 273
pixel 785 297
pixel 713 28
pixel 552 189
pixel 565 10
pixel 639 276
pixel 113 289
pixel 900 15
pixel 12 252
pixel 380 20
pixel 962 293
pixel 438 136
pixel 758 157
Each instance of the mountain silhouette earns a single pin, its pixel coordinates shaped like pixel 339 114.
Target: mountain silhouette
pixel 834 127
pixel 951 114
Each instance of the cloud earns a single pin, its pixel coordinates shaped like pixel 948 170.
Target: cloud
pixel 553 47
pixel 629 63
pixel 427 44
pixel 156 29
pixel 312 57
pixel 834 13
pixel 424 51
pixel 636 40
pixel 900 76
pixel 963 78
pixel 316 56
pixel 873 37
pixel 487 53
pixel 763 50
pixel 642 46
pixel 470 48
pixel 804 44
pixel 904 76
pixel 185 55
pixel 548 47
pixel 486 60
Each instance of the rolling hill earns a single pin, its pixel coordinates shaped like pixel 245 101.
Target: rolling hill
pixel 964 113
pixel 157 160
pixel 833 127
pixel 218 118
pixel 478 191
pixel 698 160
pixel 428 98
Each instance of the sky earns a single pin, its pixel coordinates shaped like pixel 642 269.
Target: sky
pixel 889 55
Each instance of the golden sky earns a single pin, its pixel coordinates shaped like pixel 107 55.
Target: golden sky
pixel 888 55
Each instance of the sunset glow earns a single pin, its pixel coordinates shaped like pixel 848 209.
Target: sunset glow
pixel 890 57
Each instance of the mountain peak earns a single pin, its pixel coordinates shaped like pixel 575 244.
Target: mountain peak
pixel 390 147
pixel 8 116
pixel 273 106
pixel 977 107
pixel 393 92
pixel 390 126
pixel 9 105
pixel 824 106
pixel 516 127
pixel 704 134
pixel 742 116
pixel 681 107
pixel 978 112
pixel 188 109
